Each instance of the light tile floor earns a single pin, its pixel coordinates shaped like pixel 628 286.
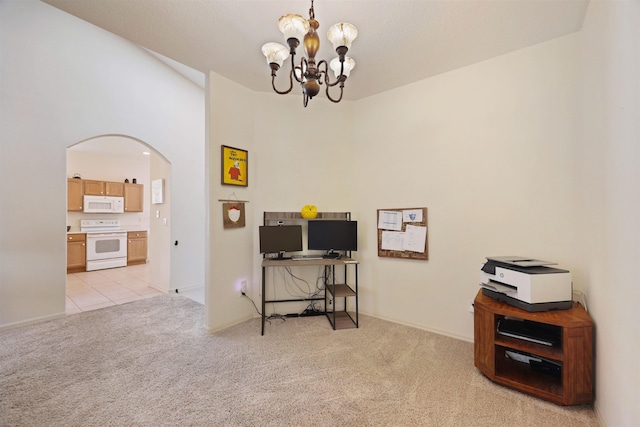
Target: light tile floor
pixel 91 290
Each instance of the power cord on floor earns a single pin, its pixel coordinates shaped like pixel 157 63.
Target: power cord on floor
pixel 269 318
pixel 254 304
pixel 276 316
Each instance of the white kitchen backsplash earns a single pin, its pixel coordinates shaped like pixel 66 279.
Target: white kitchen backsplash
pixel 137 221
pixel 128 221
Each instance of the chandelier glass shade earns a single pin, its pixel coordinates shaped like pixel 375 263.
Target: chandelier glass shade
pixel 309 74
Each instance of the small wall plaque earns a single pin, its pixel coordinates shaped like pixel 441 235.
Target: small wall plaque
pixel 157 191
pixel 233 215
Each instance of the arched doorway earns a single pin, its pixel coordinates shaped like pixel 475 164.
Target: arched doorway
pixel 120 158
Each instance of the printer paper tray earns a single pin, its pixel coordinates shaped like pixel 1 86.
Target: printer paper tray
pixel 499 287
pixel 532 308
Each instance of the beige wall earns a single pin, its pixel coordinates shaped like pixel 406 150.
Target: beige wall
pixel 608 224
pixel 230 120
pixel 489 149
pixel 160 222
pixel 52 98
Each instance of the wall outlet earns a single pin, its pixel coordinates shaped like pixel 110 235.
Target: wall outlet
pixel 243 286
pixel 470 306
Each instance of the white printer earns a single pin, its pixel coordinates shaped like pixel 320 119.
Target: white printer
pixel 527 283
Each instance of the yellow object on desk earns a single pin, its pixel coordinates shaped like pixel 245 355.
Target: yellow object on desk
pixel 309 212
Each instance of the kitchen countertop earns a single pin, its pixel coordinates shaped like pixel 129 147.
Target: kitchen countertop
pixel 102 232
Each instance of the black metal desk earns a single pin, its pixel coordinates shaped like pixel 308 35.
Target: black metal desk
pixel 338 319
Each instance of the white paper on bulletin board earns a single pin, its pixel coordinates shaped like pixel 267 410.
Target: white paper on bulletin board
pixel 415 237
pixel 390 220
pixel 392 240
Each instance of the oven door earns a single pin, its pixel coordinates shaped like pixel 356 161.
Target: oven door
pixel 106 246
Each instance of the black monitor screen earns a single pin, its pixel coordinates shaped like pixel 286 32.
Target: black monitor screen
pixel 333 235
pixel 280 238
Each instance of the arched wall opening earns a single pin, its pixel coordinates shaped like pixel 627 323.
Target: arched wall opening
pixel 121 158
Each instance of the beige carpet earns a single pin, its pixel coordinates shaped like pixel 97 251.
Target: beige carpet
pixel 150 363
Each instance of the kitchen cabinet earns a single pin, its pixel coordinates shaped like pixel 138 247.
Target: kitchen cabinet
pixel 93 188
pixel 133 197
pixel 114 189
pixel 75 190
pixel 136 247
pixel 103 188
pixel 76 253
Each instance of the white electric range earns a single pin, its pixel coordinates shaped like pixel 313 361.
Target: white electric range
pixel 106 243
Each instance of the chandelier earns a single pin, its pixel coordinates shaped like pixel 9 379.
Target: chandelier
pixel 309 74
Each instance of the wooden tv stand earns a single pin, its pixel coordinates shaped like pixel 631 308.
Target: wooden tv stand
pixel 573 386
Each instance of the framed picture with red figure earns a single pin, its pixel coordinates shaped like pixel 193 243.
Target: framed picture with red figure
pixel 234 166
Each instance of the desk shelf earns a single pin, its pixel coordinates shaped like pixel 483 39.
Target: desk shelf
pixel 341 319
pixel 341 290
pixel 290 216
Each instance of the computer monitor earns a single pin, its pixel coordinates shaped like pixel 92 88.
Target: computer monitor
pixel 332 235
pixel 280 239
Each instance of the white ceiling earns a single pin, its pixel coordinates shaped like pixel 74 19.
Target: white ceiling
pixel 399 41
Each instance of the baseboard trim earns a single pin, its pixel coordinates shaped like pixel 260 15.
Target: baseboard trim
pixel 421 327
pixel 180 289
pixel 32 321
pixel 211 330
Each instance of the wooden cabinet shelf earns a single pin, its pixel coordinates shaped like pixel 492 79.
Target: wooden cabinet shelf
pixel 574 353
pixel 519 376
pixel 133 197
pixel 75 191
pixel 93 187
pixel 136 247
pixel 115 189
pixel 77 188
pixel 103 188
pixel 76 253
pixel 554 353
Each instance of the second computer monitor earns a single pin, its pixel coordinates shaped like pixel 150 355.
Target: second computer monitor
pixel 330 235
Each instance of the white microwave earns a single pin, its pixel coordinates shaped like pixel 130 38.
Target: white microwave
pixel 103 204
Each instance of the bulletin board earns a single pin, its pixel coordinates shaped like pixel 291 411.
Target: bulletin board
pixel 402 233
